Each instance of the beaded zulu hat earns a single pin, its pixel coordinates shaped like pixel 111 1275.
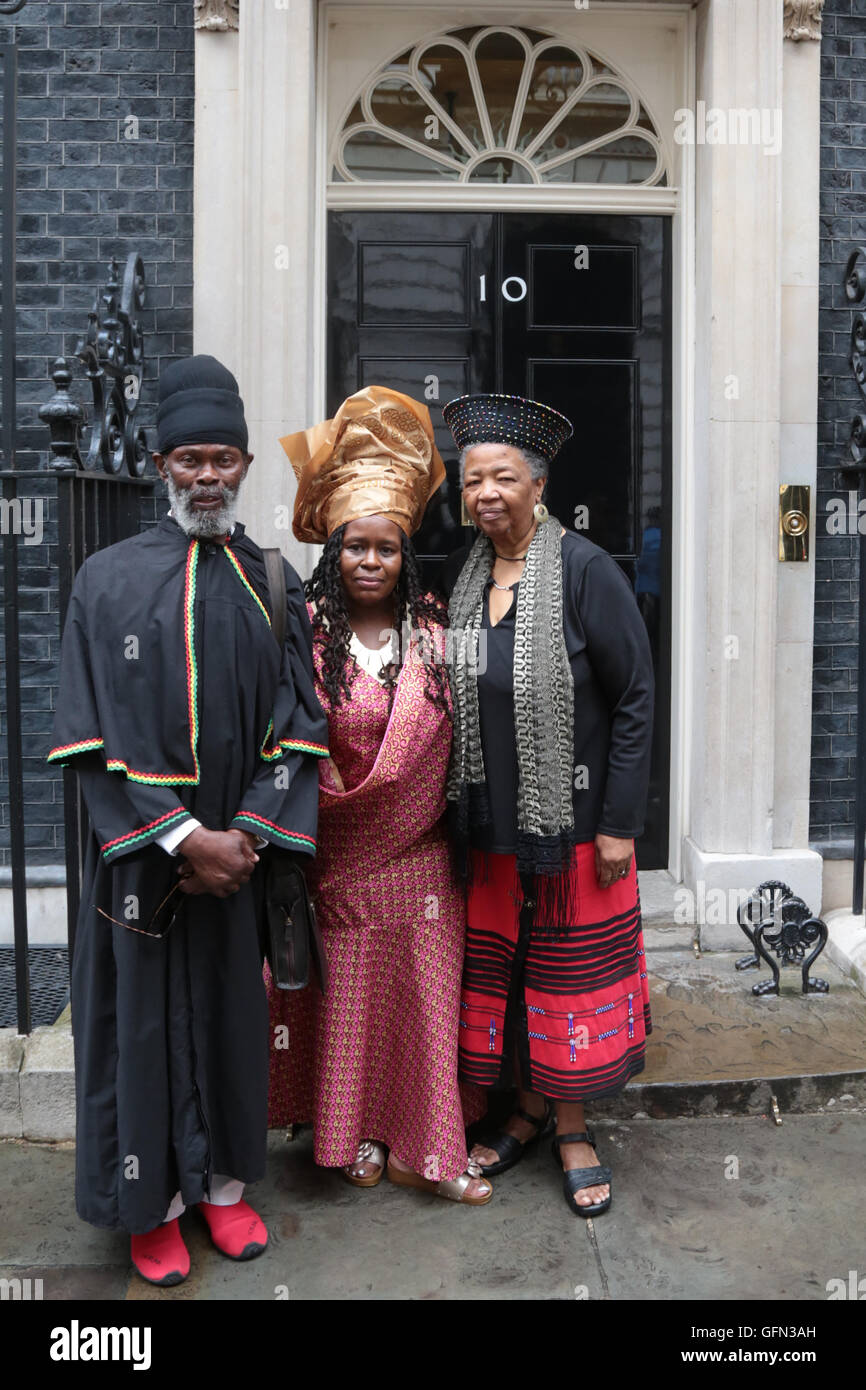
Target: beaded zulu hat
pixel 499 419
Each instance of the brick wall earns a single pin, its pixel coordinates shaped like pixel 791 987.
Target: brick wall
pixel 88 191
pixel 843 226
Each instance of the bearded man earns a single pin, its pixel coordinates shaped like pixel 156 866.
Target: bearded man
pixel 196 741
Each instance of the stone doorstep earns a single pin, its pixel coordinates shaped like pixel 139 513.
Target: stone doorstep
pixel 794 1095
pixel 846 944
pixel 37 1083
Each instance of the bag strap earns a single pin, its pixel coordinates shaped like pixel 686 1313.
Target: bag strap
pixel 277 588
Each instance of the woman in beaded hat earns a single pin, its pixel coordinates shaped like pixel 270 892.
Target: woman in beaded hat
pixel 373 1064
pixel 552 686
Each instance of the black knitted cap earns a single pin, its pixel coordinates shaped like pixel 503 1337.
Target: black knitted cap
pixel 199 403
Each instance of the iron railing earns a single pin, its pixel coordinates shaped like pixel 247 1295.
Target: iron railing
pixel 99 487
pixel 15 776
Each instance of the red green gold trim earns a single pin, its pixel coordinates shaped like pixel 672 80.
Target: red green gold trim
pixel 191 669
pixel 146 831
pixel 150 779
pixel 289 745
pixel 301 745
pixel 66 750
pixel 264 751
pixel 290 836
pixel 239 571
pixel 292 745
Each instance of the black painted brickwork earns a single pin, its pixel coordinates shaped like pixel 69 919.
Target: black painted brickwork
pixel 87 193
pixel 843 226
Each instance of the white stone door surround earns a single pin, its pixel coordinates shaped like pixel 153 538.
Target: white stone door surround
pixel 745 362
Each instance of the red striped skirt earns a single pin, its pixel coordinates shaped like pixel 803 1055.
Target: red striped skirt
pixel 572 1007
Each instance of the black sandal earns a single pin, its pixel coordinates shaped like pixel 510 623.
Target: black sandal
pixel 510 1148
pixel 574 1180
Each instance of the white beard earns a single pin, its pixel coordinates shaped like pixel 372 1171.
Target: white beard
pixel 218 522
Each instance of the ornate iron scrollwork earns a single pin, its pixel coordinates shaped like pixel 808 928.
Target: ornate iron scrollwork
pixel 775 919
pixel 112 353
pixel 855 292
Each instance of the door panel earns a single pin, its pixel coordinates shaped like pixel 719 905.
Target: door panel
pixel 413 284
pixel 594 470
pixel 403 312
pixel 570 310
pixel 600 291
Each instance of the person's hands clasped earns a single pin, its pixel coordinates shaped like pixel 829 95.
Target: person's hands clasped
pixel 217 861
pixel 612 859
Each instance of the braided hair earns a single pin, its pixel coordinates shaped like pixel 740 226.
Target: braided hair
pixel 325 590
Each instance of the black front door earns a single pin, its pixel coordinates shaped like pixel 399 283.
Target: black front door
pixel 572 310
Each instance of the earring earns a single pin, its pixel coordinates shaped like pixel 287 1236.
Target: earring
pixel 540 512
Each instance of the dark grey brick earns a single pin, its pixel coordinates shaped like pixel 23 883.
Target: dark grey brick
pixel 125 13
pixel 38 248
pixel 146 108
pixel 83 13
pixel 87 131
pixel 39 60
pixel 81 37
pixel 133 176
pixel 85 195
pixel 91 84
pixel 140 85
pixel 124 60
pixel 142 152
pixel 81 200
pixel 174 177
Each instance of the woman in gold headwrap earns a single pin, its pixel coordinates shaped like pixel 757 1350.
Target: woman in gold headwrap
pixel 373 1064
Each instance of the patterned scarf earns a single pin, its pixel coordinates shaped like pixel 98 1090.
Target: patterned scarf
pixel 543 707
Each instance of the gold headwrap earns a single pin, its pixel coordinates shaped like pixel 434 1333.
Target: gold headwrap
pixel 376 457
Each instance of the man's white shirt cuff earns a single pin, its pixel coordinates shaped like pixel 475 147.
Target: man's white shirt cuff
pixel 171 839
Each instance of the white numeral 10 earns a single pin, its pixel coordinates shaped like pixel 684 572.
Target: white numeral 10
pixel 510 280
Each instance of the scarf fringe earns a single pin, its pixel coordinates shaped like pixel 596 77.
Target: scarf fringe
pixel 553 860
pixel 555 878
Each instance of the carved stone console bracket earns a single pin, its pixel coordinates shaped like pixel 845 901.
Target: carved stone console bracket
pixel 802 19
pixel 219 15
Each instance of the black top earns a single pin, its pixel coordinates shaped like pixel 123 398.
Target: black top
pixel 611 665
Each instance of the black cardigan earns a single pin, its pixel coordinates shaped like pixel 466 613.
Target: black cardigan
pixel 611 663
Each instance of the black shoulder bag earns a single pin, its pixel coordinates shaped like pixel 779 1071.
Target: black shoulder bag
pixel 294 941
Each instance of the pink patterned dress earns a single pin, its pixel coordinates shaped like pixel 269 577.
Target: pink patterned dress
pixel 377 1057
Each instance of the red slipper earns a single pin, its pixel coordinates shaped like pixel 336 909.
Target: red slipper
pixel 236 1230
pixel 160 1255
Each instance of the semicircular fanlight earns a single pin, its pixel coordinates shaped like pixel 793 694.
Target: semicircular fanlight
pixel 501 104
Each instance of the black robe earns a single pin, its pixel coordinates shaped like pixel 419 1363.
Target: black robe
pixel 175 701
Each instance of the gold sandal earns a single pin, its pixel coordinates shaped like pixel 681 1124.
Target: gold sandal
pixel 452 1188
pixel 369 1151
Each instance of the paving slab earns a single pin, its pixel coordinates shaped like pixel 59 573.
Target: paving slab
pixel 38 1224
pixel 679 1227
pixel 682 1226
pixel 332 1241
pixel 709 1026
